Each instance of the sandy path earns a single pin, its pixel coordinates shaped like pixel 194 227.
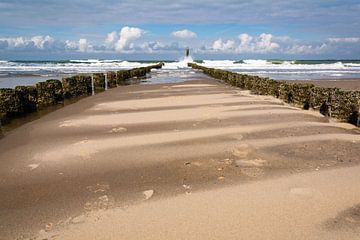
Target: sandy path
pixel 193 150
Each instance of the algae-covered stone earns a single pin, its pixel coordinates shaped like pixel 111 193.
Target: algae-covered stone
pixel 10 104
pixel 111 78
pixel 302 94
pixel 28 98
pixel 76 86
pixel 99 81
pixel 345 105
pixel 49 92
pixel 122 76
pixel 321 100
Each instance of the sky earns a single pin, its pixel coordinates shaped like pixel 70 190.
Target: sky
pixel 159 29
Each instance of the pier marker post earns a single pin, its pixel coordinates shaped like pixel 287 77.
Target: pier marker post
pixel 106 82
pixel 92 85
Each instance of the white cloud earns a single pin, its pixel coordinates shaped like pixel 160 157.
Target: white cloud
pixel 245 42
pixel 71 45
pixel 184 34
pixel 111 39
pixel 220 45
pixel 264 43
pixel 35 42
pixel 127 34
pixel 42 42
pixel 344 40
pixel 303 49
pixel 16 42
pixel 84 45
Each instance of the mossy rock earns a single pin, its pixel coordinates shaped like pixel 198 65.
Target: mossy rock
pixel 111 78
pixel 99 82
pixel 77 86
pixel 122 76
pixel 49 92
pixel 10 104
pixel 302 94
pixel 28 98
pixel 345 105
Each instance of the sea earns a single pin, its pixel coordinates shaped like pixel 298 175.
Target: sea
pixel 15 73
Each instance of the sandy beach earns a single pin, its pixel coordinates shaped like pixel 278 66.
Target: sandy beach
pixel 191 160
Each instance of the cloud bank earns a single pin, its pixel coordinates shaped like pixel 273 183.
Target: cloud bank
pixel 131 40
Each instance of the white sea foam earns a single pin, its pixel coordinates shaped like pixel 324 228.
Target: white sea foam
pixel 289 69
pixel 73 66
pixel 181 64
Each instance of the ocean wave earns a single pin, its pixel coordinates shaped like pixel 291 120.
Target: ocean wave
pixel 277 64
pixel 71 66
pixel 181 64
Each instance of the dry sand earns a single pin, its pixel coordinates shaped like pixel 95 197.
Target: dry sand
pixel 195 160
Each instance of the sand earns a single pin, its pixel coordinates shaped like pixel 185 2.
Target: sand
pixel 193 160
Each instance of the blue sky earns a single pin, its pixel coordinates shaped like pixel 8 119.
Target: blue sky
pixel 158 29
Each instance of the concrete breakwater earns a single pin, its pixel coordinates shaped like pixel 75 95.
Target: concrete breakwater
pixel 26 99
pixel 332 102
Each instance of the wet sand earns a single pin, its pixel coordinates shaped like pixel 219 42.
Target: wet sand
pixel 347 84
pixel 192 160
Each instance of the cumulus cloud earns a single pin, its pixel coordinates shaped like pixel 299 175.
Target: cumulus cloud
pixel 128 34
pixel 303 49
pixel 16 42
pixel 84 45
pixel 220 45
pixel 71 45
pixel 111 39
pixel 264 43
pixel 158 47
pixel 42 42
pixel 344 40
pixel 184 34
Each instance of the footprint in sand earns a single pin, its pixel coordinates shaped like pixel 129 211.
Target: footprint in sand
pixel 118 130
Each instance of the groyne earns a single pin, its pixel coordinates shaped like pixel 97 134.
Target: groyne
pixel 27 99
pixel 332 102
